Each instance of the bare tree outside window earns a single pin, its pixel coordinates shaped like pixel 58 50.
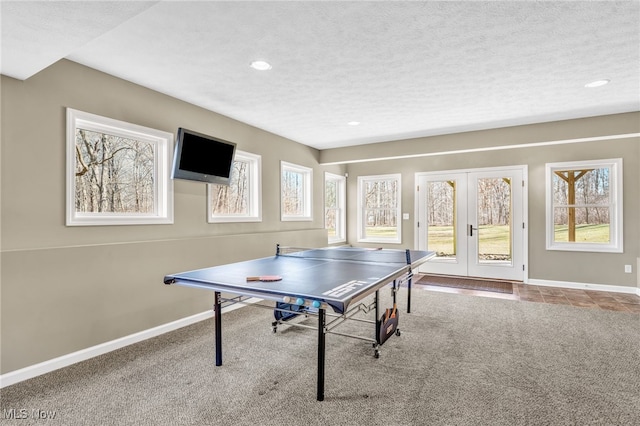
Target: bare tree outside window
pixel 581 205
pixel 330 206
pixel 441 199
pixel 292 193
pixel 113 174
pixel 117 172
pixel 334 207
pixel 295 187
pixel 380 208
pixel 240 200
pixel 232 199
pixel 585 206
pixel 494 219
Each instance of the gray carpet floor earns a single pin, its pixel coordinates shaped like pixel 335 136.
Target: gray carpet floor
pixel 460 360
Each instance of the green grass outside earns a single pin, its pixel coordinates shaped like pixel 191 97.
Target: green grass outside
pixel 381 231
pixel 495 239
pixel 584 233
pixel 440 240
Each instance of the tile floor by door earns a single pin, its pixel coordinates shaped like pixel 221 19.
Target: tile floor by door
pixel 588 299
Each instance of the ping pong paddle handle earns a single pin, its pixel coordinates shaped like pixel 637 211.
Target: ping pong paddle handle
pixel 265 278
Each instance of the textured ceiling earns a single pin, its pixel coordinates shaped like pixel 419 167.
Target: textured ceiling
pixel 402 69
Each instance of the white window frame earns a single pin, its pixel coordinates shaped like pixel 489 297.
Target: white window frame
pixel 254 176
pixel 163 146
pixel 362 237
pixel 307 176
pixel 615 206
pixel 341 216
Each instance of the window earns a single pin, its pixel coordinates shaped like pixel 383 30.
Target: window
pixel 584 206
pixel 379 209
pixel 335 207
pixel 295 190
pixel 240 201
pixel 117 172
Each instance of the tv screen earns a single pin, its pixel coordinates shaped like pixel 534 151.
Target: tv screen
pixel 202 158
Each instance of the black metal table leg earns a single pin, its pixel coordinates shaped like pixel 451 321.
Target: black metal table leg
pixel 410 272
pixel 394 289
pixel 409 294
pixel 217 310
pixel 321 354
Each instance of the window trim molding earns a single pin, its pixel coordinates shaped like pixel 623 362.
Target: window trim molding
pixel 341 231
pixel 255 193
pixel 361 223
pixel 616 244
pixel 163 142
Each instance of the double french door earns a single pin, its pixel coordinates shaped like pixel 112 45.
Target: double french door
pixel 474 222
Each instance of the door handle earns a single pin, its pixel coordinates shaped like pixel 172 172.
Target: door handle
pixel 471 229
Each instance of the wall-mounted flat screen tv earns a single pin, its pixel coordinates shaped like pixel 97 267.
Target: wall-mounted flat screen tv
pixel 202 158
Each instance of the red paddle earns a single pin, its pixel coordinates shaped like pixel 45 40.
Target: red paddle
pixel 265 278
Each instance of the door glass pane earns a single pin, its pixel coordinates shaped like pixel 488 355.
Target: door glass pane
pixel 441 217
pixel 494 220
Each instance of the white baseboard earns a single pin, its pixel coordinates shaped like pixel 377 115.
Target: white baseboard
pixel 35 370
pixel 585 286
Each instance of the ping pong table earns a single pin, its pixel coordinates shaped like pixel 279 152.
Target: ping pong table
pixel 330 283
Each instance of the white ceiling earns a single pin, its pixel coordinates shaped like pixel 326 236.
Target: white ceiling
pixel 401 68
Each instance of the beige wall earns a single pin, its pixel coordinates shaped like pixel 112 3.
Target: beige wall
pixel 33 129
pixel 516 136
pixel 69 288
pixel 574 267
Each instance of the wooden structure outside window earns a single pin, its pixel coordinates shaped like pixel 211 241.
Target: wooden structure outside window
pixel 571 177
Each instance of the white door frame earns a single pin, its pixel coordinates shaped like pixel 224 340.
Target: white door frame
pixel 525 210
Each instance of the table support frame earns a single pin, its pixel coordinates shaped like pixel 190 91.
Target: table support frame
pixel 323 327
pixel 217 312
pixel 321 354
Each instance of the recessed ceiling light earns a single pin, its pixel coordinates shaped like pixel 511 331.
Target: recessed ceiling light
pixel 597 83
pixel 260 65
pixel 353 123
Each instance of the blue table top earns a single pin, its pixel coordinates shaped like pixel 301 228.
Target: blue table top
pixel 333 276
